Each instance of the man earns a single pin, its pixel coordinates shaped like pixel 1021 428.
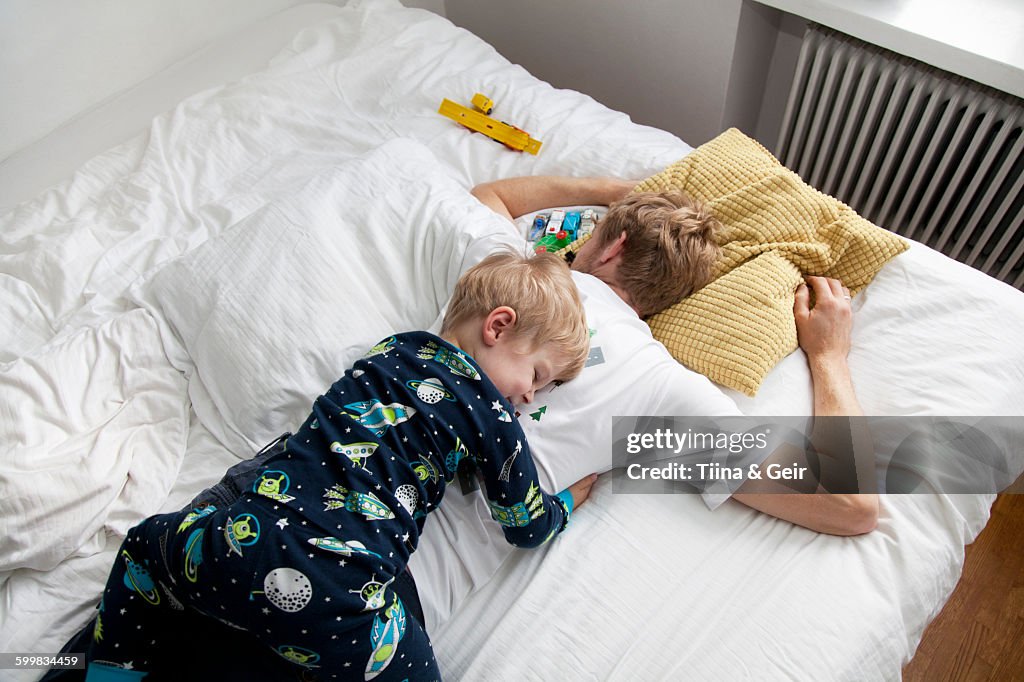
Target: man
pixel 823 332
pixel 573 435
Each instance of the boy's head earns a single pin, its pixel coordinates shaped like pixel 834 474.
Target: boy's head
pixel 668 247
pixel 521 319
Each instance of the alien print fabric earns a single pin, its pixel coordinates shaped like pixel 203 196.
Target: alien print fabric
pixel 305 559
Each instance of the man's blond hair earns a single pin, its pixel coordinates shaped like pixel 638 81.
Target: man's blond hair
pixel 541 291
pixel 670 249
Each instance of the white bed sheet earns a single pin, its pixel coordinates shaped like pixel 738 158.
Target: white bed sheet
pixel 721 595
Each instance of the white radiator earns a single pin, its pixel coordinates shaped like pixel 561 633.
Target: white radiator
pixel 919 151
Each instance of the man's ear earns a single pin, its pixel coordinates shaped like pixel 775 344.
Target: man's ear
pixel 614 248
pixel 499 321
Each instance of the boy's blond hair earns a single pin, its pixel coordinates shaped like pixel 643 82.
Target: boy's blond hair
pixel 670 247
pixel 541 291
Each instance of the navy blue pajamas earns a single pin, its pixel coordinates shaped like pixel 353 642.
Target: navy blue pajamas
pixel 305 560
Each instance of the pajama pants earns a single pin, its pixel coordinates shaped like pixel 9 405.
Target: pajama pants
pixel 327 615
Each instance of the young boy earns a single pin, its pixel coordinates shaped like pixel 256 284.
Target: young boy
pixel 304 562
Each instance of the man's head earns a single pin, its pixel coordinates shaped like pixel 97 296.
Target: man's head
pixel 654 248
pixel 521 319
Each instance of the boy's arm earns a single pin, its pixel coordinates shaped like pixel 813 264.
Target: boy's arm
pixel 529 516
pixel 514 197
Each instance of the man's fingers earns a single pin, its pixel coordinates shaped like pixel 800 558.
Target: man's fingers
pixel 828 288
pixel 822 288
pixel 802 301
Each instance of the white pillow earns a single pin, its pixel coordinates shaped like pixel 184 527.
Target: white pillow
pixel 274 309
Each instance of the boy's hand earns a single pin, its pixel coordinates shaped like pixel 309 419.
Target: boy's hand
pixel 581 490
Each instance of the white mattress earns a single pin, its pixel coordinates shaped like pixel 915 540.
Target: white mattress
pixel 112 404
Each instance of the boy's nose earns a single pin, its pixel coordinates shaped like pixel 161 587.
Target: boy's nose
pixel 528 397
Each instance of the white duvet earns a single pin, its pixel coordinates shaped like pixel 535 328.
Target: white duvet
pixel 321 204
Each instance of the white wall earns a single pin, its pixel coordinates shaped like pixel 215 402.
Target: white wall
pixel 58 57
pixel 675 64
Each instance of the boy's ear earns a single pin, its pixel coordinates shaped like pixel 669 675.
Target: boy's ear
pixel 501 320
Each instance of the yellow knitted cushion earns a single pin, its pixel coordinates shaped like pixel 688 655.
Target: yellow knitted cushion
pixel 738 327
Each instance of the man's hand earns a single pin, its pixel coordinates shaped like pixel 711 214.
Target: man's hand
pixel 581 490
pixel 824 335
pixel 824 330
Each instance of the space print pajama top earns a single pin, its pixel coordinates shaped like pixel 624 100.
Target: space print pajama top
pixel 304 561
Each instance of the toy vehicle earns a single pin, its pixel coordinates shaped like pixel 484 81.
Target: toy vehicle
pixel 483 103
pixel 587 221
pixel 555 222
pixel 572 223
pixel 539 224
pixel 508 135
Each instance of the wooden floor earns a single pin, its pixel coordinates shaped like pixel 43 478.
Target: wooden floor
pixel 980 633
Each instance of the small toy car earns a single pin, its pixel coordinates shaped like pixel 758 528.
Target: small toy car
pixel 555 221
pixel 539 224
pixel 571 224
pixel 587 221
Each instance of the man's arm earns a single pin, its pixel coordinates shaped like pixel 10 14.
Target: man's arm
pixel 514 197
pixel 824 334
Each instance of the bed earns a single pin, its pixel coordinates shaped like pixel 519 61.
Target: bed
pixel 151 340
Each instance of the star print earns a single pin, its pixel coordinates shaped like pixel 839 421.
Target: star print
pixel 496 406
pixel 266 611
pixel 282 523
pixel 124 611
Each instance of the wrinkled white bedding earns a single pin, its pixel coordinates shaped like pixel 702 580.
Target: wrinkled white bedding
pixel 128 381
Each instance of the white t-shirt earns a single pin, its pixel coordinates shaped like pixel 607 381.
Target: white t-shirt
pixel 569 428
